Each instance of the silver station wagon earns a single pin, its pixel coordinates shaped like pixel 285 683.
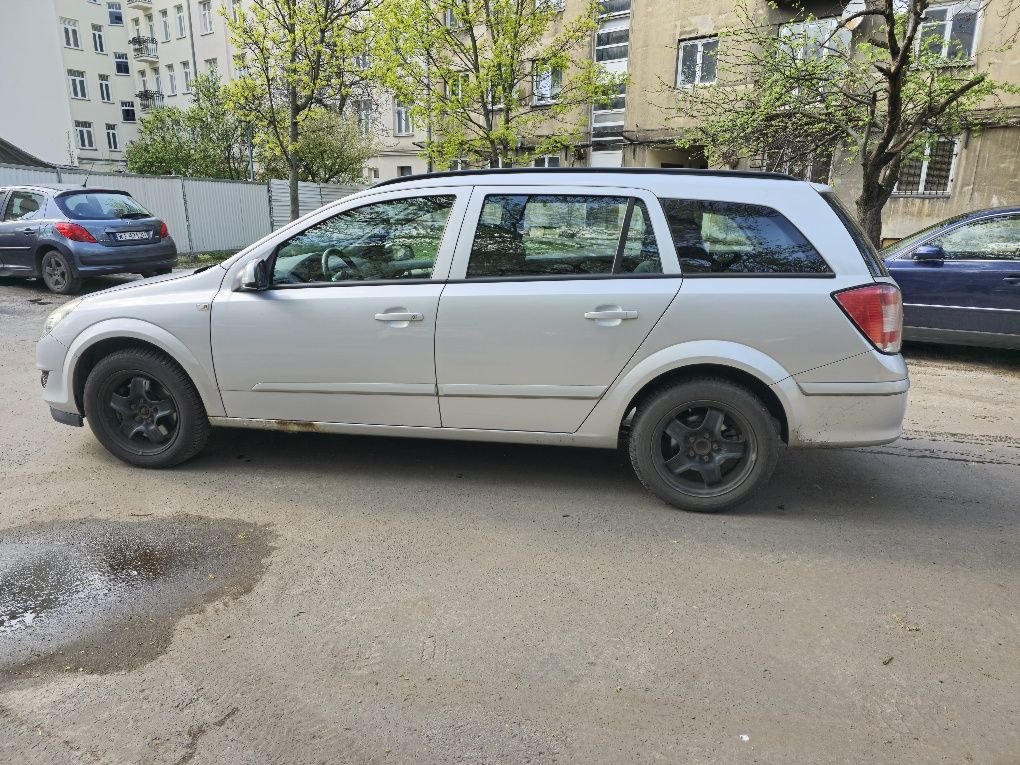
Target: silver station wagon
pixel 702 319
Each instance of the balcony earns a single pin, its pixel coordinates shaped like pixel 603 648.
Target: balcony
pixel 140 5
pixel 149 99
pixel 145 49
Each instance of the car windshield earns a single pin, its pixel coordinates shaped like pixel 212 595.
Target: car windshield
pixel 908 241
pixel 100 205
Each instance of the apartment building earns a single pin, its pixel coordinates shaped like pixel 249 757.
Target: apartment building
pixel 85 72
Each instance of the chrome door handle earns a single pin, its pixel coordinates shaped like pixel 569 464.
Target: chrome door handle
pixel 410 316
pixel 596 315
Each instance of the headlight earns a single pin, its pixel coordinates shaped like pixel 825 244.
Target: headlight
pixel 55 318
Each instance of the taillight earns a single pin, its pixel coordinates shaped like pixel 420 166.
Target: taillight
pixel 877 311
pixel 74 232
pixel 164 232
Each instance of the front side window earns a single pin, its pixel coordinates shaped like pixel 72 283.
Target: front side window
pixel 520 235
pixel 713 238
pixel 71 38
pixel 696 62
pixel 392 240
pixel 23 204
pixel 989 239
pixel 930 173
pixel 84 137
pixel 948 31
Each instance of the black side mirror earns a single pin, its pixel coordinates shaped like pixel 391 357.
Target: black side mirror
pixel 255 276
pixel 929 252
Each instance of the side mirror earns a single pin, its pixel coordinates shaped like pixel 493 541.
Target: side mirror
pixel 929 252
pixel 255 276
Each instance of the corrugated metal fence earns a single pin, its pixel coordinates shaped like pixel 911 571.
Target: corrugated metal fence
pixel 203 215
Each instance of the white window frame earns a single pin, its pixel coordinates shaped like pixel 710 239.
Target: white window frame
pixel 923 179
pixel 117 7
pixel 117 57
pixel 538 97
pixel 556 5
pixel 952 9
pixel 78 84
pixel 545 158
pixel 84 136
pixel 124 106
pixel 105 89
pixel 164 22
pixel 402 119
pixel 150 22
pixel 614 14
pixel 212 66
pixel 182 22
pixel 186 74
pixel 363 111
pixel 805 30
pixel 205 9
pixel 699 43
pixel 171 80
pixel 98 39
pixel 71 33
pixel 615 25
pixel 112 138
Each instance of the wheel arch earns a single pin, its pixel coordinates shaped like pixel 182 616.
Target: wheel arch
pixel 47 246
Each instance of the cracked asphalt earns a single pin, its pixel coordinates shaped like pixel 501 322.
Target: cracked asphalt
pixel 310 598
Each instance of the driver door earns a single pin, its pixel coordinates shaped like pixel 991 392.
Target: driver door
pixel 346 331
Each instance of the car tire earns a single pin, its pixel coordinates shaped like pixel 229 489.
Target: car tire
pixel 142 406
pixel 57 275
pixel 703 445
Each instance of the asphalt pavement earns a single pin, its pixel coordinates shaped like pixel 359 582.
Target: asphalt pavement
pixel 292 598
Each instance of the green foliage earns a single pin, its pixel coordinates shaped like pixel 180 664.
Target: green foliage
pixel 471 82
pixel 874 86
pixel 330 149
pixel 205 140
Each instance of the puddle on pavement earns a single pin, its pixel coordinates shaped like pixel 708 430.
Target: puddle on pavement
pixel 96 595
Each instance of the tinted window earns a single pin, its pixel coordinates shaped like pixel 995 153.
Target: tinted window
pixel 732 238
pixel 100 205
pixel 562 235
pixel 395 239
pixel 990 239
pixel 23 204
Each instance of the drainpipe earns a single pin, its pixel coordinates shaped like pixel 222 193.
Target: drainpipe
pixel 191 37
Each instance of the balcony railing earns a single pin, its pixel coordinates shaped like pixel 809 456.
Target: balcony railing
pixel 149 99
pixel 144 48
pixel 140 5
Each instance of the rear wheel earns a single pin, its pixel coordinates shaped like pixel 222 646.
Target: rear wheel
pixel 57 275
pixel 143 408
pixel 704 444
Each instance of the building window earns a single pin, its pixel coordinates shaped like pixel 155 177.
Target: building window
pixel 186 71
pixel 112 140
pixel 371 173
pixel 77 79
pixel 362 61
pixel 151 25
pixel 120 63
pixel 801 162
pixel 83 136
pixel 948 31
pixel 813 40
pixel 71 39
pixel 547 85
pixel 363 114
pixel 696 61
pixel 144 79
pixel 401 119
pixel 205 8
pixel 614 7
pixel 931 173
pixel 555 5
pixel 615 101
pixel 164 23
pixel 612 44
pixel 182 25
pixel 127 111
pixel 403 170
pixel 232 9
pixel 459 164
pixel 105 94
pixel 158 84
pixel 549 160
pixel 212 66
pixel 171 80
pixel 116 14
pixel 98 43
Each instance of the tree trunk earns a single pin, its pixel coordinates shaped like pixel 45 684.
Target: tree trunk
pixel 870 205
pixel 292 158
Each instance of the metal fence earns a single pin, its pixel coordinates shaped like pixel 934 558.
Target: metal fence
pixel 202 215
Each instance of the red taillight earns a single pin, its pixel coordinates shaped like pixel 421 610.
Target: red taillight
pixel 74 232
pixel 164 232
pixel 877 310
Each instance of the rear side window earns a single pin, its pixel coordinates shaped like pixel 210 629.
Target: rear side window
pixel 23 204
pixel 538 235
pixel 719 238
pixel 100 205
pixel 871 257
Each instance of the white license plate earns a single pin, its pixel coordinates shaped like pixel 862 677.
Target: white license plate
pixel 128 236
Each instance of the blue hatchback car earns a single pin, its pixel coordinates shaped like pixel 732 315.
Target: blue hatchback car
pixel 961 279
pixel 62 233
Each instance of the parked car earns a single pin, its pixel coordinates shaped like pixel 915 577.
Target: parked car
pixel 62 233
pixel 703 318
pixel 961 279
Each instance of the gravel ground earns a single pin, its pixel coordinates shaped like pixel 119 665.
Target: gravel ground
pixel 311 598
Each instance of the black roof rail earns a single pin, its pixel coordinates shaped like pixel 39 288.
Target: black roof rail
pixel 586 170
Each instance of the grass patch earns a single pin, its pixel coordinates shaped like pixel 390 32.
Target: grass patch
pixel 204 258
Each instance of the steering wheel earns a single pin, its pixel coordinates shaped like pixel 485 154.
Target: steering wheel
pixel 337 252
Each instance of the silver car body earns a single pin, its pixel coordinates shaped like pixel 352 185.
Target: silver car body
pixel 506 360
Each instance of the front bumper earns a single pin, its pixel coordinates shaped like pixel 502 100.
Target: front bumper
pixel 52 359
pixel 67 418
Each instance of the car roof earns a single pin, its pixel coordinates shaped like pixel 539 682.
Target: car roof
pixel 62 188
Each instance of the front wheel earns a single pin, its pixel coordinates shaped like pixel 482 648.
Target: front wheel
pixel 144 409
pixel 704 444
pixel 57 275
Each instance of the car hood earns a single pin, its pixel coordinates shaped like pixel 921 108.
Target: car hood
pixel 153 280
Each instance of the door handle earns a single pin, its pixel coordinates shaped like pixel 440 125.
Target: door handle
pixel 29 230
pixel 409 316
pixel 1012 279
pixel 597 315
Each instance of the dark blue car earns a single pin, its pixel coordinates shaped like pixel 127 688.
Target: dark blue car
pixel 63 233
pixel 961 279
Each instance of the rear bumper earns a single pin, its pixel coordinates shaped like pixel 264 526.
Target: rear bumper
pixel 844 414
pixel 93 259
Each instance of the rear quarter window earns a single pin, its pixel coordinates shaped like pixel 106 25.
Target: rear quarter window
pixel 735 239
pixel 867 250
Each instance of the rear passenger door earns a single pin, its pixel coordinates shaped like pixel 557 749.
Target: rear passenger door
pixel 19 228
pixel 552 290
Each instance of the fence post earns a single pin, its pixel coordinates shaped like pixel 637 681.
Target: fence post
pixel 187 218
